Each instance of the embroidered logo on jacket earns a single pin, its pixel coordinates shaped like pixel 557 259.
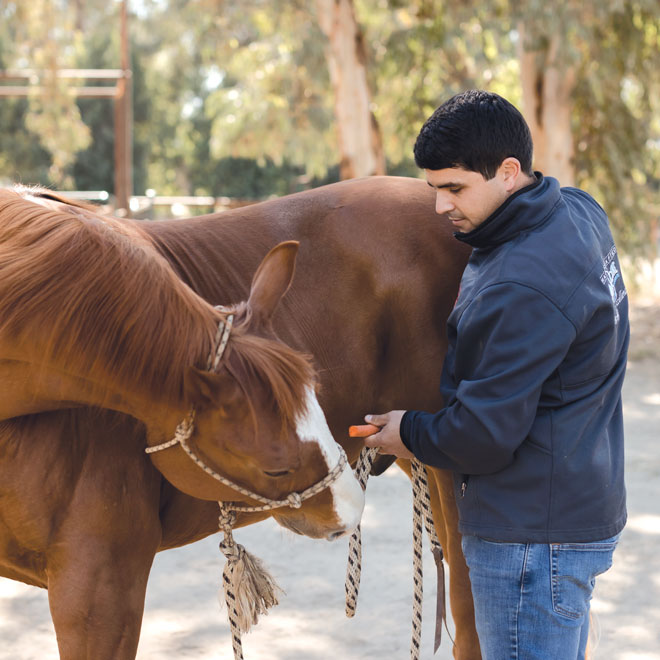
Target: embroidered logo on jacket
pixel 611 277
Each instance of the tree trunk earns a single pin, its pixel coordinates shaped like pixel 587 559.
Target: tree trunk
pixel 359 135
pixel 548 86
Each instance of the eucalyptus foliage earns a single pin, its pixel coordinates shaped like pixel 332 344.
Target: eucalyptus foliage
pixel 235 97
pixel 615 47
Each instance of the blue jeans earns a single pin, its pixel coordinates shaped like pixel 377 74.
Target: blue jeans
pixel 531 600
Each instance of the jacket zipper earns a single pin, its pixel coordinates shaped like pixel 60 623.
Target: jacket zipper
pixel 464 483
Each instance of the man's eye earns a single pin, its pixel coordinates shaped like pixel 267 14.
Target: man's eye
pixel 455 190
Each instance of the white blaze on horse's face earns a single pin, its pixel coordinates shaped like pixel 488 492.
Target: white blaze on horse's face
pixel 347 494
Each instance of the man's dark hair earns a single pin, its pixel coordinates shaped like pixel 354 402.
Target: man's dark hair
pixel 475 130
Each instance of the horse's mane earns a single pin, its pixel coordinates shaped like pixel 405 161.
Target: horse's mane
pixel 285 371
pixel 90 293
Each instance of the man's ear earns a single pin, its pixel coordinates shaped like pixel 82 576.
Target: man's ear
pixel 272 280
pixel 510 170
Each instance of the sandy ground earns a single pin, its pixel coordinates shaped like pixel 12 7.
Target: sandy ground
pixel 184 620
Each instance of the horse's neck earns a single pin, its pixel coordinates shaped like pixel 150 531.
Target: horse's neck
pixel 89 296
pixel 30 388
pixel 216 255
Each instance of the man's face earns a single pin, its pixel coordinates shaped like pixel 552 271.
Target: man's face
pixel 466 196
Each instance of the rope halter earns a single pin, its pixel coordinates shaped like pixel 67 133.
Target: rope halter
pixel 248 588
pixel 186 427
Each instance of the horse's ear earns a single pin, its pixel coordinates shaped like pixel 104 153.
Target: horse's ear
pixel 272 280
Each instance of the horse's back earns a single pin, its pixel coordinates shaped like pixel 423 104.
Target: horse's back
pixel 389 220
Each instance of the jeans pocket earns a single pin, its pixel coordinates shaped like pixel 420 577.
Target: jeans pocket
pixel 575 567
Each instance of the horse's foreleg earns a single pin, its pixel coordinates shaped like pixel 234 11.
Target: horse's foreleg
pixel 99 560
pixel 96 594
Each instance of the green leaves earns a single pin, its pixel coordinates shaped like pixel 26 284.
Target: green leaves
pixel 236 96
pixel 51 114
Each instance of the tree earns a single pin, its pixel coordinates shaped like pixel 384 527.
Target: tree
pixel 591 96
pixel 548 85
pixel 240 96
pixel 360 143
pixel 47 45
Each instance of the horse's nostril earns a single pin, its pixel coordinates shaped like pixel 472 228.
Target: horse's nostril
pixel 333 536
pixel 281 473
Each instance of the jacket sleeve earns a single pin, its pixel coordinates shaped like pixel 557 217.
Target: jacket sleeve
pixel 510 339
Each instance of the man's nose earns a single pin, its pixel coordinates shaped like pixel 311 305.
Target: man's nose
pixel 443 203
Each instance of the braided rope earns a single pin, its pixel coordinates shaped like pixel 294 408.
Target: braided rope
pixel 418 584
pixel 293 500
pixel 221 340
pixel 354 564
pixel 231 551
pixel 422 518
pixel 424 497
pixel 248 588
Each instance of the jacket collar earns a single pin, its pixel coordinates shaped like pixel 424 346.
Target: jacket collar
pixel 525 209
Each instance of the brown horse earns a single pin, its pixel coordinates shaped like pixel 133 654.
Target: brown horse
pixel 91 314
pixel 377 275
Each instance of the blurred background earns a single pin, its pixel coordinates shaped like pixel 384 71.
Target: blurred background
pixel 177 107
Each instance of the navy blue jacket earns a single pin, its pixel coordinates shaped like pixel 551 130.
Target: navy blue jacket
pixel 532 380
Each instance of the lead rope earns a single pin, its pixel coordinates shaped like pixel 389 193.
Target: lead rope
pixel 422 514
pixel 422 517
pixel 354 565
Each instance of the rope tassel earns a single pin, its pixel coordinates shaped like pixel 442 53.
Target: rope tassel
pixel 249 589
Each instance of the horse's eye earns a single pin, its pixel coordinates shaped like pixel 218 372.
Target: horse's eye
pixel 281 473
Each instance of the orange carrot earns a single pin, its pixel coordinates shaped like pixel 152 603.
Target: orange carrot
pixel 362 431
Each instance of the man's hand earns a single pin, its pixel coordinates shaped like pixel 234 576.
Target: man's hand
pixel 388 438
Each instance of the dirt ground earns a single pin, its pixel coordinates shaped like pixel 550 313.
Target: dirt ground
pixel 184 621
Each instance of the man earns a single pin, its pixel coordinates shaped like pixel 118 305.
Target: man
pixel 532 424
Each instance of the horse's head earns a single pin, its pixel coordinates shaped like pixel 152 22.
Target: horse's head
pixel 258 421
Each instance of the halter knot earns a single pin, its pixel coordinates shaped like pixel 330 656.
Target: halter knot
pixel 226 519
pixel 231 550
pixel 294 500
pixel 184 428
